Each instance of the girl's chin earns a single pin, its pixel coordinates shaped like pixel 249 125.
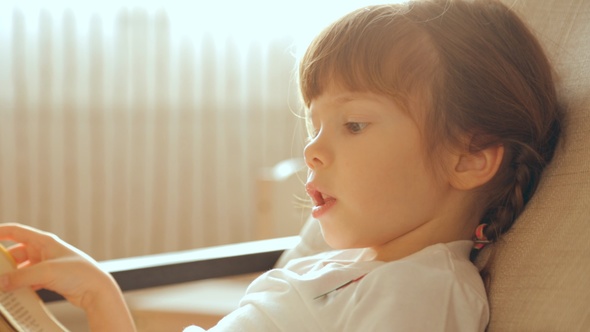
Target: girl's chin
pixel 336 240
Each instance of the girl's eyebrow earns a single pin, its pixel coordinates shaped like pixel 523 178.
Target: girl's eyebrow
pixel 347 97
pixel 343 99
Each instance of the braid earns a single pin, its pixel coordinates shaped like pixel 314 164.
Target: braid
pixel 520 179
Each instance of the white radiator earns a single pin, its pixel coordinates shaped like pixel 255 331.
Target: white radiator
pixel 125 140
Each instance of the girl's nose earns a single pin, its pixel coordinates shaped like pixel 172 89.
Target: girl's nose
pixel 316 153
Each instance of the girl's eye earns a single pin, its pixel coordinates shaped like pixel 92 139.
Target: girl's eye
pixel 356 127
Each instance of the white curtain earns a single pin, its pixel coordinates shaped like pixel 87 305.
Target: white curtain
pixel 125 139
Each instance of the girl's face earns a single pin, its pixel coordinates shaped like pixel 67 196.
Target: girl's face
pixel 368 174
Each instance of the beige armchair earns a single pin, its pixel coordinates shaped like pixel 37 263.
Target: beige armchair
pixel 541 270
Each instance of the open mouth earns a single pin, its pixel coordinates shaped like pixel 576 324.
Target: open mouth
pixel 322 202
pixel 317 198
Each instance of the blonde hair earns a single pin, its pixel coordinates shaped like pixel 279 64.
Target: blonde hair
pixel 469 67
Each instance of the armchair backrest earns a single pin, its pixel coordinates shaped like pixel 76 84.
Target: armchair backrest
pixel 540 271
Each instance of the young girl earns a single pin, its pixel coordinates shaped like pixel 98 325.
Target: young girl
pixel 429 122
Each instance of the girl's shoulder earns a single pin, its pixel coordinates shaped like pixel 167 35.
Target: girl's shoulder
pixel 438 285
pixel 429 272
pixel 435 289
pixel 436 264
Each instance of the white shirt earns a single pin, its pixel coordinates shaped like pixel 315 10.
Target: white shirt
pixel 435 289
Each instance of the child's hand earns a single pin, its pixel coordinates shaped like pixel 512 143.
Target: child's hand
pixel 45 261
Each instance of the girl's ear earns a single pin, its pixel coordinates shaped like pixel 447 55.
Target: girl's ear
pixel 475 169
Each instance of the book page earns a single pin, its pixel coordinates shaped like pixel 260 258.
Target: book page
pixel 22 308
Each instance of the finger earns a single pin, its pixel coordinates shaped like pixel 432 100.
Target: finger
pixel 19 253
pixel 72 277
pixel 38 244
pixel 32 276
pixel 22 233
pixel 22 254
pixel 46 275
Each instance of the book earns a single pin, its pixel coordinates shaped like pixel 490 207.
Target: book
pixel 22 310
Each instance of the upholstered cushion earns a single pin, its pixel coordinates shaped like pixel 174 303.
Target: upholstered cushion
pixel 541 269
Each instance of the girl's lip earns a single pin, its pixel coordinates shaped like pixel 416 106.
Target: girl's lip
pixel 319 210
pixel 322 202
